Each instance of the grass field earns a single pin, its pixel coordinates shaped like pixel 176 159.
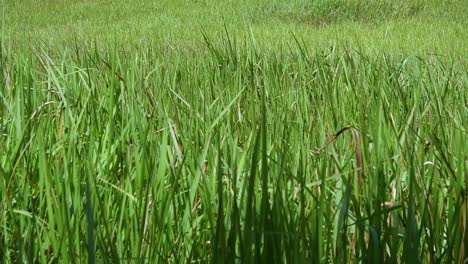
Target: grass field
pixel 141 131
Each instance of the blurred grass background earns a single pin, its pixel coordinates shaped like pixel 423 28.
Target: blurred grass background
pixel 415 26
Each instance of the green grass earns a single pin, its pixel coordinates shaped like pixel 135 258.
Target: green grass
pixel 413 26
pixel 263 136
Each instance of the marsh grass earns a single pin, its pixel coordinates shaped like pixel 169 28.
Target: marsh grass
pixel 326 13
pixel 412 26
pixel 233 154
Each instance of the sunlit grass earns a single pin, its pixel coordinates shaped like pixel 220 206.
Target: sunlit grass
pixel 412 26
pixel 329 131
pixel 232 153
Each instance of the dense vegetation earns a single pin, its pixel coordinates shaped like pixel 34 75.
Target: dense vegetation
pixel 233 145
